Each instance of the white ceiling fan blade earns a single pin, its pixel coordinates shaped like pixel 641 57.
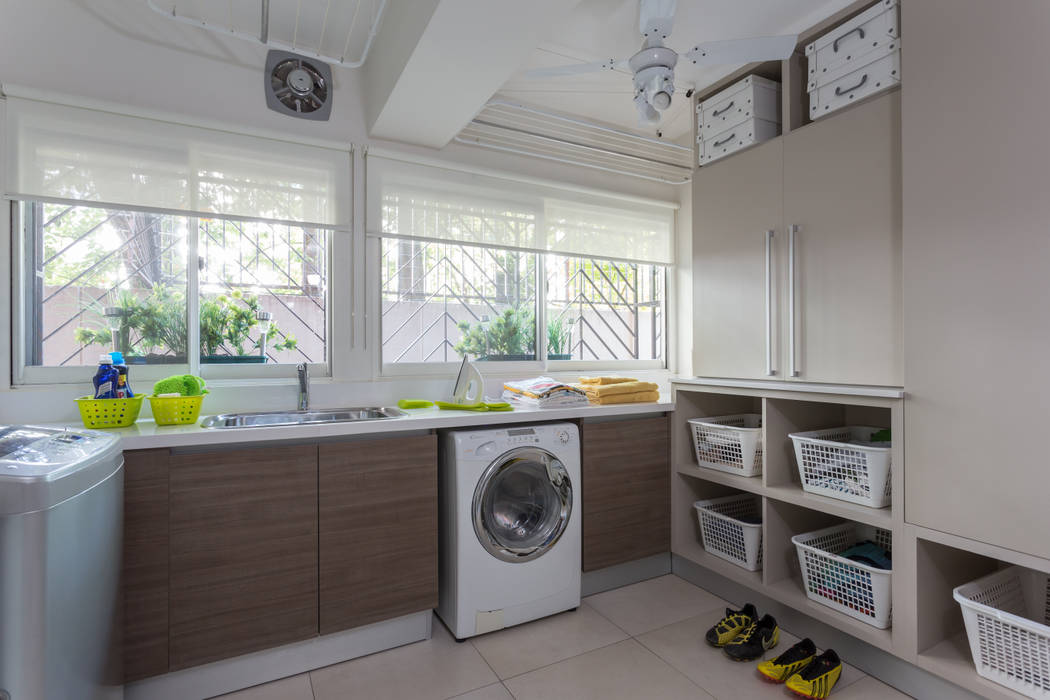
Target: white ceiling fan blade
pixel 576 69
pixel 656 17
pixel 763 48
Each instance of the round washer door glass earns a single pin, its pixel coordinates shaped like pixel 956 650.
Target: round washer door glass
pixel 522 504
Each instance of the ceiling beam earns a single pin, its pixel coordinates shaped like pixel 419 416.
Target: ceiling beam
pixel 435 63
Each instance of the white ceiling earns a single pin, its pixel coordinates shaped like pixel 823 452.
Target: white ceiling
pixel 601 29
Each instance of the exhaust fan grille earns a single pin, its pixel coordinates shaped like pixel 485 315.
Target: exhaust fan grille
pixel 298 86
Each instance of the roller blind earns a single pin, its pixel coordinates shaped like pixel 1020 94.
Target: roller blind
pixel 424 201
pixel 72 154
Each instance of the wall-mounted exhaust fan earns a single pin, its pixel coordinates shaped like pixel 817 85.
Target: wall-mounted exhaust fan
pixel 298 85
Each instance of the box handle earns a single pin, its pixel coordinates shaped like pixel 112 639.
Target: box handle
pixel 839 92
pixel 730 138
pixel 719 112
pixel 835 44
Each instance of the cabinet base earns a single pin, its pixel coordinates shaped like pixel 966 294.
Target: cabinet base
pixel 245 671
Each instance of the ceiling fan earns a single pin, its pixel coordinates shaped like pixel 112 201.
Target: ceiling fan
pixel 653 65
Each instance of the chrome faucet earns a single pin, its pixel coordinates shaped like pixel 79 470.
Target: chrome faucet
pixel 304 386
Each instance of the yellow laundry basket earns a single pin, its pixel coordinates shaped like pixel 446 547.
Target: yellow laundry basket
pixel 109 413
pixel 176 410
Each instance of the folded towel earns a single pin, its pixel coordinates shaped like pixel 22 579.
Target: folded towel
pixel 637 397
pixel 621 388
pixel 605 380
pixel 480 407
pixel 414 403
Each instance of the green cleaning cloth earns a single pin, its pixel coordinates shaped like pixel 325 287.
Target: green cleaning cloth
pixel 481 406
pixel 414 403
pixel 182 384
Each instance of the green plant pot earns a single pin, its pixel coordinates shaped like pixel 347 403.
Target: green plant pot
pixel 233 359
pixel 559 356
pixel 507 358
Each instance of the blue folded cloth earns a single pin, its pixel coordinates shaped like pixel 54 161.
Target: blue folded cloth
pixel 867 552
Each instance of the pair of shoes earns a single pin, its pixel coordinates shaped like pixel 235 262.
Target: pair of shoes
pixel 742 635
pixel 806 674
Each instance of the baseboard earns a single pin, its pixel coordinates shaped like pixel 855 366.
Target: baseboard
pixel 625 574
pixel 884 666
pixel 248 670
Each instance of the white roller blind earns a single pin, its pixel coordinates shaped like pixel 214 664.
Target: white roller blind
pixel 424 201
pixel 64 153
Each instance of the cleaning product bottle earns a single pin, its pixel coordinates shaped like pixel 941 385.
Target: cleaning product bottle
pixel 105 379
pixel 123 386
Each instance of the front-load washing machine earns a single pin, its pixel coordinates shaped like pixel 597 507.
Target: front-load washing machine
pixel 510 526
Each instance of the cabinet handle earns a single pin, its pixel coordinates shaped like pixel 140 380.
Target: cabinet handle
pixel 769 303
pixel 725 141
pixel 835 44
pixel 792 234
pixel 719 112
pixel 839 92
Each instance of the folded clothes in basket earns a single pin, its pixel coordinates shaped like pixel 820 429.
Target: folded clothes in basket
pixel 869 553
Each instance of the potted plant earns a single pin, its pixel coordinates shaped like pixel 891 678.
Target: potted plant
pixel 559 338
pixel 227 321
pixel 511 336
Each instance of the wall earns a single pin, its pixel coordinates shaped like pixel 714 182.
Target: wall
pixel 121 52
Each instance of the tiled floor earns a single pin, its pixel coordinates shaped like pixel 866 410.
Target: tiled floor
pixel 641 641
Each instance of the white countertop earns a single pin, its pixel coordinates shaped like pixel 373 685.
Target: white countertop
pixel 146 434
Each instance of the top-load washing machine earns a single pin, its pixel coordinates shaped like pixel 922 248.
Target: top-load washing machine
pixel 510 526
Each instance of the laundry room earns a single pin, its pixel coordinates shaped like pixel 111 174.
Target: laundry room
pixel 489 350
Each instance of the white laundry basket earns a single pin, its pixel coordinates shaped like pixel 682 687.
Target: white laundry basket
pixel 1007 617
pixel 859 590
pixel 726 535
pixel 729 443
pixel 843 463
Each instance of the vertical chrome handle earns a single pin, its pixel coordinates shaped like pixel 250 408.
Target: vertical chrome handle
pixel 792 234
pixel 769 304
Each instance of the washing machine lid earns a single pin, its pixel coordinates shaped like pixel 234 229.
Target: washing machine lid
pixel 41 467
pixel 522 504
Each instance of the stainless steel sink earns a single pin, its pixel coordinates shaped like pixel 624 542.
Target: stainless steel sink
pixel 272 418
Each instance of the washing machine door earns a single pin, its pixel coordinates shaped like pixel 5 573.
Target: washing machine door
pixel 522 504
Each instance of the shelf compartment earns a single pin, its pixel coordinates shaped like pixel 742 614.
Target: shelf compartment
pixel 879 517
pixel 742 483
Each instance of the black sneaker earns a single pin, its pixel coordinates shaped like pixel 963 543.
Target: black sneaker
pixel 735 622
pixel 754 641
pixel 789 663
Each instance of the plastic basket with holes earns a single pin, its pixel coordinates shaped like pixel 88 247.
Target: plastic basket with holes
pixel 851 587
pixel 844 463
pixel 109 413
pixel 729 443
pixel 732 529
pixel 1007 617
pixel 176 410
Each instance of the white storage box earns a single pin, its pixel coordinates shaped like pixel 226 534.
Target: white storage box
pixel 746 133
pixel 843 463
pixel 855 43
pixel 729 443
pixel 863 81
pixel 753 97
pixel 1007 617
pixel 732 529
pixel 856 589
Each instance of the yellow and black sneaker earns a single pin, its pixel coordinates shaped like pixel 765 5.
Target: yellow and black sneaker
pixel 817 679
pixel 735 622
pixel 754 641
pixel 789 663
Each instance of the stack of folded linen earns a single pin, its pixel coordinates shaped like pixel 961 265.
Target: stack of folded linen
pixel 543 392
pixel 607 390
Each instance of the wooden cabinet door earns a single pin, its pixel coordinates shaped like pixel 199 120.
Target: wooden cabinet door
pixel 243 551
pixel 842 189
pixel 378 530
pixel 735 202
pixel 626 491
pixel 145 568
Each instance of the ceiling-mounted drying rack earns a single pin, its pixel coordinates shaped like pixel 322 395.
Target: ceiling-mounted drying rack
pixel 515 128
pixel 336 31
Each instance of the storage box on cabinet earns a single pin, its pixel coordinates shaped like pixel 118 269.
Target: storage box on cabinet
pixel 733 139
pixel 753 97
pixel 859 58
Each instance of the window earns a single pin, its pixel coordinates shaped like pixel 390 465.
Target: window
pixel 502 270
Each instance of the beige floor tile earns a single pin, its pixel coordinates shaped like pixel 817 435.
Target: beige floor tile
pixel 649 605
pixel 516 650
pixel 291 688
pixel 496 691
pixel 438 668
pixel 867 688
pixel 622 671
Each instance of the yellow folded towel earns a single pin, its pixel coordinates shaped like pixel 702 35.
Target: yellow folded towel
pixel 605 380
pixel 620 388
pixel 637 397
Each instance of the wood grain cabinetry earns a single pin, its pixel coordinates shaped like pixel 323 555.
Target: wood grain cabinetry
pixel 243 551
pixel 378 530
pixel 145 569
pixel 626 491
